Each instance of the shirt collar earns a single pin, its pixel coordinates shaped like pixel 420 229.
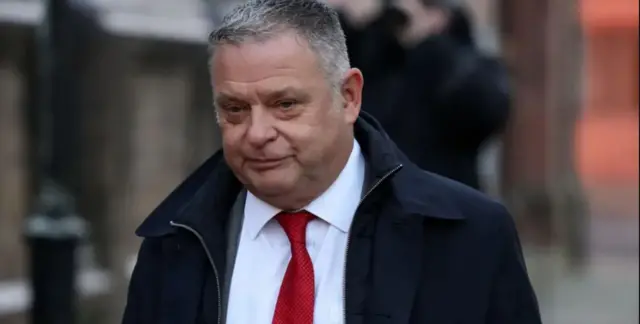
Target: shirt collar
pixel 335 206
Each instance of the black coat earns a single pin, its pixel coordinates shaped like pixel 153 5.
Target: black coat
pixel 423 250
pixel 439 101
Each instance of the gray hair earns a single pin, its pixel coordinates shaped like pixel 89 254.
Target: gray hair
pixel 313 20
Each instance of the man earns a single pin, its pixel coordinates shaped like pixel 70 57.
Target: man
pixel 420 55
pixel 310 214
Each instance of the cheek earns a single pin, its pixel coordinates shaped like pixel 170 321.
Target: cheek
pixel 311 141
pixel 231 139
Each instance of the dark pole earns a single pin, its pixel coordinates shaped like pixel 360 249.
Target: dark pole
pixel 53 229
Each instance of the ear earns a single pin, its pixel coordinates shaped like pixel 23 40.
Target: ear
pixel 352 94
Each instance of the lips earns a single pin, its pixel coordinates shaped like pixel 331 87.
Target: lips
pixel 265 164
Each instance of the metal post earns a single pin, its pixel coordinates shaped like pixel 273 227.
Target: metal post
pixel 53 233
pixel 53 229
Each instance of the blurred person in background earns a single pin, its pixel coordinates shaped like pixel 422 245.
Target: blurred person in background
pixel 436 94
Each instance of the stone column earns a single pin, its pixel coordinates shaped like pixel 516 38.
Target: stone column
pixel 543 45
pixel 13 154
pixel 203 131
pixel 138 148
pixel 567 93
pixel 162 93
pixel 149 153
pixel 106 167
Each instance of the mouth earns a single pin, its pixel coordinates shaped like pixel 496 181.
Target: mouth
pixel 265 164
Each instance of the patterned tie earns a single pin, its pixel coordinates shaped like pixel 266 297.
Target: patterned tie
pixel 297 292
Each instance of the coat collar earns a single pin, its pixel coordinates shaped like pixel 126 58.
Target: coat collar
pixel 205 197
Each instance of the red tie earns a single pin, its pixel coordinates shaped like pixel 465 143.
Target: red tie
pixel 297 292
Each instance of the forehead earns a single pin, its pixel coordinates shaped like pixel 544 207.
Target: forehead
pixel 284 55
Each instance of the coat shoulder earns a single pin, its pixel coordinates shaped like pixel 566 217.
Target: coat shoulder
pixel 474 207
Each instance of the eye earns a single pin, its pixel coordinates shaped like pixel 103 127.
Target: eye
pixel 286 104
pixel 234 109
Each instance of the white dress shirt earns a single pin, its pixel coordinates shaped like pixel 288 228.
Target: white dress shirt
pixel 264 251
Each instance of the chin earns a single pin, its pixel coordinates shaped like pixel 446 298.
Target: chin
pixel 271 183
pixel 270 188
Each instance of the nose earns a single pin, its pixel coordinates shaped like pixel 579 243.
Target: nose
pixel 261 130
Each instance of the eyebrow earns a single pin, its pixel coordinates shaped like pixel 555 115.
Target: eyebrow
pixel 223 98
pixel 284 92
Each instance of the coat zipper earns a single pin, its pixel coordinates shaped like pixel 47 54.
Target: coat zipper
pixel 213 264
pixel 344 273
pixel 346 253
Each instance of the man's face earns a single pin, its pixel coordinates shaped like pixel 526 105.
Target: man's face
pixel 283 127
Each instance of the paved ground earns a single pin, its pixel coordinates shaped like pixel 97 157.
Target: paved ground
pixel 606 291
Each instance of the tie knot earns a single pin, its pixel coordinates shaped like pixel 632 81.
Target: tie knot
pixel 295 225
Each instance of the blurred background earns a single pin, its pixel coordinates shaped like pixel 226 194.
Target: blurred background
pixel 105 105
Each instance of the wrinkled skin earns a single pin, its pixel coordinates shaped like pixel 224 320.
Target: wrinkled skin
pixel 286 133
